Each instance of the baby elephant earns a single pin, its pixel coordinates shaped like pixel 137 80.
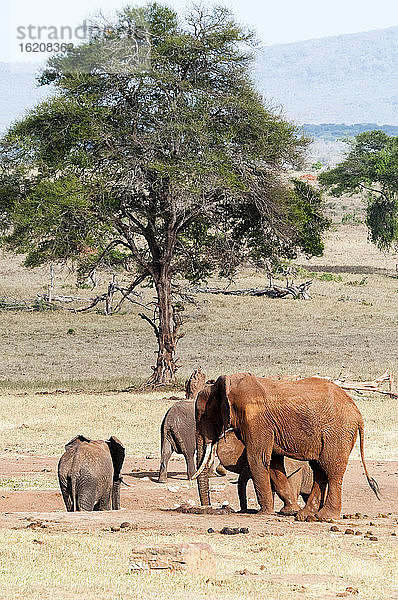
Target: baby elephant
pixel 89 474
pixel 232 455
pixel 178 429
pixel 177 434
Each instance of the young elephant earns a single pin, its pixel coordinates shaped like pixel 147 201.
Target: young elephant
pixel 177 434
pixel 178 429
pixel 232 455
pixel 89 474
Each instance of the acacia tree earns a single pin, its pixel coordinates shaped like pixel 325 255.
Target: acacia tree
pixel 157 151
pixel 371 166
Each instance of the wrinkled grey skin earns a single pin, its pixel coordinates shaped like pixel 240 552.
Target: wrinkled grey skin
pixel 178 429
pixel 89 474
pixel 232 455
pixel 177 434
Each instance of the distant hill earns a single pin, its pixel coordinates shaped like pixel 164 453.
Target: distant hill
pixel 333 131
pixel 341 79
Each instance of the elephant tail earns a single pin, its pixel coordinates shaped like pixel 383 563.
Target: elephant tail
pixel 372 482
pixel 74 494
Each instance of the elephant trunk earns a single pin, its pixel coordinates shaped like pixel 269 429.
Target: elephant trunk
pixel 203 478
pixel 116 494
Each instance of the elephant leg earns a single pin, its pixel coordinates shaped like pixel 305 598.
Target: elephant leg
pixel 259 460
pixel 282 487
pixel 167 451
pixel 332 506
pixel 317 495
pixel 104 502
pixel 190 460
pixel 65 485
pixel 244 477
pixel 86 494
pixel 334 469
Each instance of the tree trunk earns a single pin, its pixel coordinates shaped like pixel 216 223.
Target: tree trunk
pixel 164 372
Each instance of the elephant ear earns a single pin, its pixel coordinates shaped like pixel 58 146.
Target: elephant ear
pixel 118 453
pixel 195 384
pixel 76 440
pixel 223 387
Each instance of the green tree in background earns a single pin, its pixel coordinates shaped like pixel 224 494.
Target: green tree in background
pixel 371 166
pixel 157 151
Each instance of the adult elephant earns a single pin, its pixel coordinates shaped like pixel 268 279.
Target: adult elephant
pixel 232 455
pixel 89 474
pixel 309 419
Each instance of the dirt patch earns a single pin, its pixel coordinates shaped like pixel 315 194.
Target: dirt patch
pixel 149 504
pixel 172 508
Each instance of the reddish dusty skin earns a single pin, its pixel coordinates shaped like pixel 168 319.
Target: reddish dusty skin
pixel 308 419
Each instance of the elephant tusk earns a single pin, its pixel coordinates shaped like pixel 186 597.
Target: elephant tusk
pixel 212 456
pixel 204 462
pixel 224 432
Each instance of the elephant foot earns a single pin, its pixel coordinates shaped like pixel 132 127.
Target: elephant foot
pixel 265 511
pixel 289 510
pixel 287 513
pixel 305 515
pixel 327 514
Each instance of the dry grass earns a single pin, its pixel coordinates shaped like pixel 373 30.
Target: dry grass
pixel 350 323
pixel 42 424
pixel 61 566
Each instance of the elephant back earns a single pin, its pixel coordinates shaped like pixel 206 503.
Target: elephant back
pixel 88 458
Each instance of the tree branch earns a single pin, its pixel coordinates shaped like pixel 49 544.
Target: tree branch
pixel 152 324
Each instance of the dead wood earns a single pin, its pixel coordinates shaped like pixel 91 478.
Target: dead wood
pixel 274 291
pixel 370 386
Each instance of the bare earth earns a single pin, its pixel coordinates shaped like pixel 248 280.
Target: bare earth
pixel 150 508
pixel 150 505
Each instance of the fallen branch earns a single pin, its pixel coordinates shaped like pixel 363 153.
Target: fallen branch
pixel 106 297
pixel 274 291
pixel 370 386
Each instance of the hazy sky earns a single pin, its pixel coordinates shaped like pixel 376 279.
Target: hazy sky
pixel 275 21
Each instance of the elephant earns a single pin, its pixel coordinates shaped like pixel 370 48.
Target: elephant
pixel 89 474
pixel 232 455
pixel 177 432
pixel 307 419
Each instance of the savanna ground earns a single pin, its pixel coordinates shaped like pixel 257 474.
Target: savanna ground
pixel 350 325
